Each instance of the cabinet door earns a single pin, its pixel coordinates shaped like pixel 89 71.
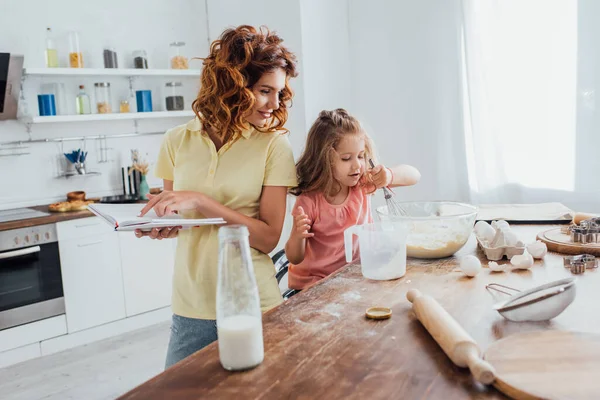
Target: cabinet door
pixel 92 282
pixel 147 272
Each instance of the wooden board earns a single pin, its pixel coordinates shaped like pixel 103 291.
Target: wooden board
pixel 561 243
pixel 547 365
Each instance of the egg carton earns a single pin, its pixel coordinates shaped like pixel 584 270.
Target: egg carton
pixel 497 253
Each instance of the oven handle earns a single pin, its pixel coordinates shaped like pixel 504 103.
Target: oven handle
pixel 20 252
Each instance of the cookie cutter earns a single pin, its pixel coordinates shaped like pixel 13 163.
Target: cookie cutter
pixel 588 231
pixel 578 264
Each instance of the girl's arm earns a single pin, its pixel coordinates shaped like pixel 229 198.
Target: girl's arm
pixel 401 175
pixel 265 230
pixel 296 245
pixel 404 175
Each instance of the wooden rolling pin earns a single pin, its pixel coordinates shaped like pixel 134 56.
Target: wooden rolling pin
pixel 452 338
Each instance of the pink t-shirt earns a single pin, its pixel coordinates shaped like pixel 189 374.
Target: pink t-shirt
pixel 324 252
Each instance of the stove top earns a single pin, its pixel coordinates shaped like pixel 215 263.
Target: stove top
pixel 17 214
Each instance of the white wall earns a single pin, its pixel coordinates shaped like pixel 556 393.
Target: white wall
pixel 128 26
pixel 406 88
pixel 325 56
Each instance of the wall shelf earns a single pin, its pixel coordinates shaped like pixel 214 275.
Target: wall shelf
pixel 126 72
pixel 108 117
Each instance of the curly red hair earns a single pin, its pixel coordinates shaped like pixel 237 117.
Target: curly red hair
pixel 237 60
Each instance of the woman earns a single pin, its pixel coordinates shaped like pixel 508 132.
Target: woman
pixel 233 161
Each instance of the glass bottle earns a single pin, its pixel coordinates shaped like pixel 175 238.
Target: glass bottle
pixel 174 97
pixel 75 54
pixel 51 53
pixel 239 319
pixel 103 97
pixel 83 102
pixel 176 54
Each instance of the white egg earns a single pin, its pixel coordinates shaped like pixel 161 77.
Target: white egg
pixel 510 237
pixel 500 224
pixel 495 267
pixel 470 265
pixel 522 261
pixel 484 231
pixel 537 249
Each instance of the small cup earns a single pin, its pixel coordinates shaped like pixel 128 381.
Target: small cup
pixel 46 105
pixel 144 100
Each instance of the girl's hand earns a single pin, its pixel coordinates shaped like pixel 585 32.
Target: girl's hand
pixel 159 233
pixel 380 176
pixel 301 226
pixel 172 202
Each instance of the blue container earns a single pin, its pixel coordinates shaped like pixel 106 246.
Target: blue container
pixel 144 100
pixel 46 105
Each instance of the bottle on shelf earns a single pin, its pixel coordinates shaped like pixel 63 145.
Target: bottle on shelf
pixel 75 53
pixel 51 53
pixel 83 102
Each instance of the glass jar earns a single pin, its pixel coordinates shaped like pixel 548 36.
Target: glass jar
pixel 173 96
pixel 110 58
pixel 140 59
pixel 176 55
pixel 124 106
pixel 102 90
pixel 239 319
pixel 75 54
pixel 83 102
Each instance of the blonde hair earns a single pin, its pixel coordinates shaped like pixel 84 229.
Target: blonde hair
pixel 315 167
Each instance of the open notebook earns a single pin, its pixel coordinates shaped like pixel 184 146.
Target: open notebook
pixel 124 217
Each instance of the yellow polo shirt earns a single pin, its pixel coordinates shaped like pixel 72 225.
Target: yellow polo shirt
pixel 234 176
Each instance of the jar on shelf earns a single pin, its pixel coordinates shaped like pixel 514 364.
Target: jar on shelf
pixel 75 53
pixel 110 58
pixel 102 90
pixel 140 59
pixel 177 57
pixel 124 106
pixel 173 96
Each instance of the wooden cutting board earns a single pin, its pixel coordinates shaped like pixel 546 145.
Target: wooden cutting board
pixel 561 243
pixel 547 365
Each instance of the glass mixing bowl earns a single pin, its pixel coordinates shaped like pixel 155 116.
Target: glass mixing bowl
pixel 437 229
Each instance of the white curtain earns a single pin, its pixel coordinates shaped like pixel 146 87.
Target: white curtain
pixel 520 102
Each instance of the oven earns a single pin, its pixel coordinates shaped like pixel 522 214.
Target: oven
pixel 30 277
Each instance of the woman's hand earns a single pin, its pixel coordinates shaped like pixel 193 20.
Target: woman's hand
pixel 301 224
pixel 380 176
pixel 159 233
pixel 172 202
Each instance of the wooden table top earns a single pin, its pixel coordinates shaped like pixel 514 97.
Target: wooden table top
pixel 319 345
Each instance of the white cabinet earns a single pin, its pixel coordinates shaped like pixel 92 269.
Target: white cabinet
pixel 147 272
pixel 91 273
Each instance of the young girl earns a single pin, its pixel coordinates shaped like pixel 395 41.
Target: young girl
pixel 334 187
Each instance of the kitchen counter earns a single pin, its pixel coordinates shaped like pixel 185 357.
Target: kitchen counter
pixel 54 217
pixel 48 219
pixel 319 344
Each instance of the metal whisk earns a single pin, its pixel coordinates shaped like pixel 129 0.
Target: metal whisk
pixel 394 208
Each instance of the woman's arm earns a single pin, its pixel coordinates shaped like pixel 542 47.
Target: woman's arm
pixel 264 230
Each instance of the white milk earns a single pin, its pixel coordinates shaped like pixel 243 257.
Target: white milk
pixel 240 342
